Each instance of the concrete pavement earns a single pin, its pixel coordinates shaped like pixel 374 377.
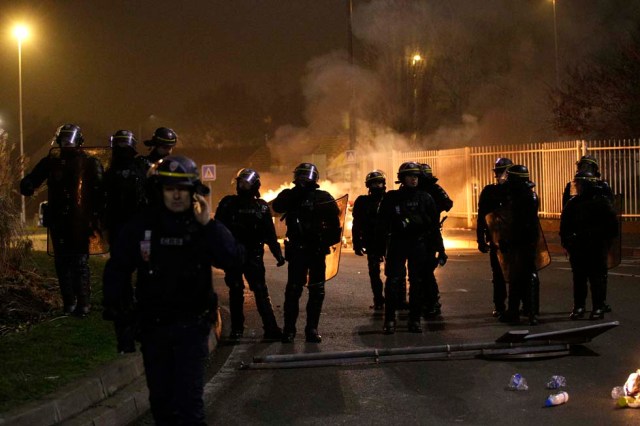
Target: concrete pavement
pixel 116 394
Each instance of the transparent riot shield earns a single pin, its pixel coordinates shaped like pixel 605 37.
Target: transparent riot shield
pixel 499 225
pixel 332 260
pixel 614 256
pixel 76 200
pixel 543 258
pixel 327 224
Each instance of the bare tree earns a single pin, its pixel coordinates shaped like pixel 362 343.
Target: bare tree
pixel 601 98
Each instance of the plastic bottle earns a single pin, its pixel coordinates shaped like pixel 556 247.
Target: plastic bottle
pixel 518 382
pixel 556 399
pixel 617 392
pixel 556 382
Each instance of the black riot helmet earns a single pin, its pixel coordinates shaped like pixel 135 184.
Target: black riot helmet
pixel 123 138
pixel 502 163
pixel 247 180
pixel 177 170
pixel 518 174
pixel 163 136
pixel 588 163
pixel 409 168
pixel 585 181
pixel 305 172
pixel 68 136
pixel 426 171
pixel 375 176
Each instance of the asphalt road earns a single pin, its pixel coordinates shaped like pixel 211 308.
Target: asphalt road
pixel 457 391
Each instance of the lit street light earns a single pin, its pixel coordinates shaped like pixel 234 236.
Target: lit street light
pixel 416 61
pixel 21 32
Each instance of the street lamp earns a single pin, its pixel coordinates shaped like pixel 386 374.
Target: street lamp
pixel 555 38
pixel 416 61
pixel 21 32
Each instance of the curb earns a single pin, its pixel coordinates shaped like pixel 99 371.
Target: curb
pixel 114 394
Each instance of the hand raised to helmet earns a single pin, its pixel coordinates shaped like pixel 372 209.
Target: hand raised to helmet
pixel 201 209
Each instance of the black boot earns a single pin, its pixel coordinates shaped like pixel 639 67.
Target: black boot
pixel 389 327
pixel 312 336
pixel 577 313
pixel 597 314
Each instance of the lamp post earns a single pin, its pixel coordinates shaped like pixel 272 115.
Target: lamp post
pixel 21 32
pixel 555 38
pixel 416 61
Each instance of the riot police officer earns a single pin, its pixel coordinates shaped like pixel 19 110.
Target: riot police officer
pixel 429 183
pixel 408 225
pixel 312 217
pixel 249 219
pixel 161 144
pixel 489 201
pixel 171 247
pixel 75 201
pixel 588 163
pixel 365 210
pixel 124 183
pixel 518 244
pixel 588 224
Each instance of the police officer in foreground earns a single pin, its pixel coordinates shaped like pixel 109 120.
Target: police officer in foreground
pixel 365 211
pixel 313 225
pixel 124 183
pixel 249 219
pixel 408 225
pixel 429 183
pixel 588 225
pixel 518 244
pixel 172 247
pixel 489 201
pixel 161 144
pixel 75 202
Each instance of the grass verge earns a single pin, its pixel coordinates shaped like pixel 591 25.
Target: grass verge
pixel 56 351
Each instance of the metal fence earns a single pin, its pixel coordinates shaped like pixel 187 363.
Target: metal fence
pixel 463 172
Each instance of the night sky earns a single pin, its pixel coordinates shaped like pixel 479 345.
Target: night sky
pixel 109 64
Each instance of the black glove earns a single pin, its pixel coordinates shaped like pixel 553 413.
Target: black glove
pixel 26 188
pixel 359 251
pixel 280 260
pixel 442 258
pixel 483 247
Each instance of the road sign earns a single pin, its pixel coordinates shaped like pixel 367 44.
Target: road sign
pixel 350 156
pixel 208 172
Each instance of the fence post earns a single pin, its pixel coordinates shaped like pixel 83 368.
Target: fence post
pixel 468 194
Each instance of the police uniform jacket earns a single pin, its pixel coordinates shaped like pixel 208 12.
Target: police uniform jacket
pixel 312 217
pixel 76 192
pixel 365 211
pixel 172 254
pixel 249 220
pixel 490 200
pixel 588 222
pixel 410 214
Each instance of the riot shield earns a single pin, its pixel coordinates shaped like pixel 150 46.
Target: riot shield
pixel 543 258
pixel 76 200
pixel 499 226
pixel 614 256
pixel 332 260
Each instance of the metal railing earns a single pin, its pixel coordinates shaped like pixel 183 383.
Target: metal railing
pixel 463 172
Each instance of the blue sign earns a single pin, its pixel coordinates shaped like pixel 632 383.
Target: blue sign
pixel 208 172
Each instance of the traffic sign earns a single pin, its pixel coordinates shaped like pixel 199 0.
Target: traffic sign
pixel 208 172
pixel 350 156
